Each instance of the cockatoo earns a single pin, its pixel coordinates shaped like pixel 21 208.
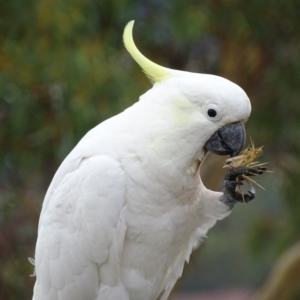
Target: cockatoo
pixel 127 206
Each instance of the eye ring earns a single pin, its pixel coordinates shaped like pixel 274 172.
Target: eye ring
pixel 212 112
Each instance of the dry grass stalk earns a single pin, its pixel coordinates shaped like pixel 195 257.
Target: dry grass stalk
pixel 246 158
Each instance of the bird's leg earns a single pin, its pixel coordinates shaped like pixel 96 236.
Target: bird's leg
pixel 233 178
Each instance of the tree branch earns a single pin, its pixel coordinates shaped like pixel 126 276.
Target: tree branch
pixel 284 278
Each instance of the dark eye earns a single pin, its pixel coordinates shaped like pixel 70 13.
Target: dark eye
pixel 212 113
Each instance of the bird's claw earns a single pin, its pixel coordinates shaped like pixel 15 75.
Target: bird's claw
pixel 234 173
pixel 234 178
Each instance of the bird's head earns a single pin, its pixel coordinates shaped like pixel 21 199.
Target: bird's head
pixel 218 106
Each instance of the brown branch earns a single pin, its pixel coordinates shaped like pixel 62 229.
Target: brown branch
pixel 284 278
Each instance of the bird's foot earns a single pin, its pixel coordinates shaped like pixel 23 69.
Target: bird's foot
pixel 233 179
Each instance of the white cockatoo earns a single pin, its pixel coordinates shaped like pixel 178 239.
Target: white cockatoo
pixel 127 206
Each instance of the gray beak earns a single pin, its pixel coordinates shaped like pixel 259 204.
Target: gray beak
pixel 228 140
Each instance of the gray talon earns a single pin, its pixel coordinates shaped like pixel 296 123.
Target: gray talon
pixel 232 179
pixel 249 196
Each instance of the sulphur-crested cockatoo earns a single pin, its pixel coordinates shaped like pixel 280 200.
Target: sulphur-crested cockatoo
pixel 127 206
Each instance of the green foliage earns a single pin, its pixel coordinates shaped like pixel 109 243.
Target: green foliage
pixel 64 70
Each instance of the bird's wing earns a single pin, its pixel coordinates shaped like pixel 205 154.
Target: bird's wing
pixel 81 234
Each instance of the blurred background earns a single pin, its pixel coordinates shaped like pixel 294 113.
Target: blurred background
pixel 63 69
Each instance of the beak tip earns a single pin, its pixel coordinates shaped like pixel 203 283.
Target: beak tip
pixel 228 140
pixel 235 153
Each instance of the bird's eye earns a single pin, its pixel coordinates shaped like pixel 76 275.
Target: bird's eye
pixel 212 112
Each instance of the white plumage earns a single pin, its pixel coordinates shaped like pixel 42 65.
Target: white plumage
pixel 127 206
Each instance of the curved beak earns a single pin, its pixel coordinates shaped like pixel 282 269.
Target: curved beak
pixel 228 140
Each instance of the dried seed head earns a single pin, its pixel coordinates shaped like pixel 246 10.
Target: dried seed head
pixel 246 158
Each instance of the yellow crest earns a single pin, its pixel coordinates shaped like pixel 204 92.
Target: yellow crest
pixel 154 71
